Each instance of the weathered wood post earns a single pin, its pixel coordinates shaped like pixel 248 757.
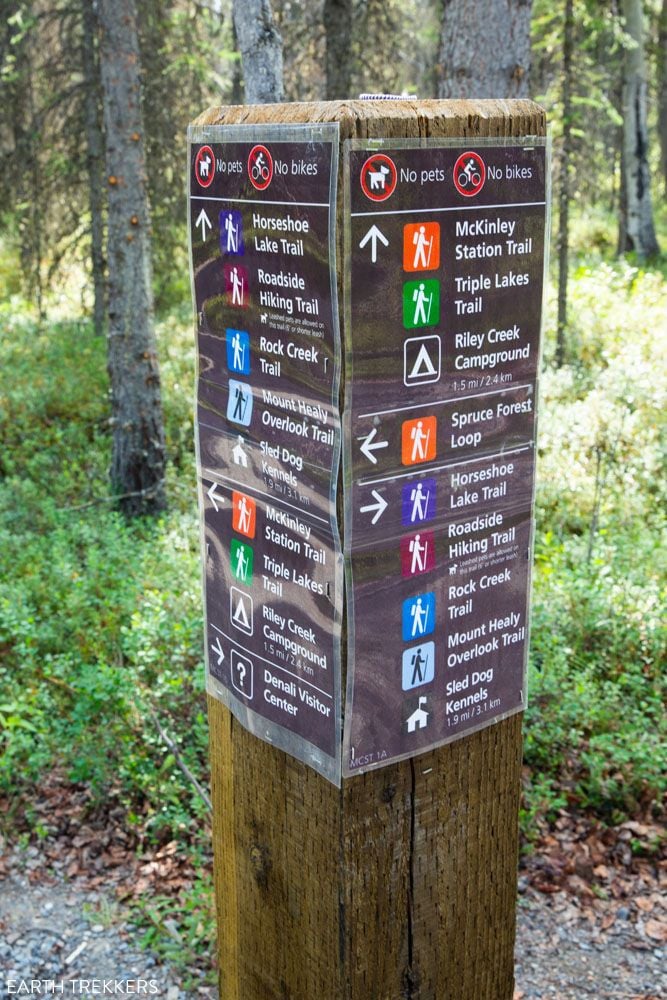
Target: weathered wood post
pixel 366 752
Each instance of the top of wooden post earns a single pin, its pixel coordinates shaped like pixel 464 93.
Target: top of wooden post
pixel 383 118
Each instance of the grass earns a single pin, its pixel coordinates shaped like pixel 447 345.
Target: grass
pixel 101 619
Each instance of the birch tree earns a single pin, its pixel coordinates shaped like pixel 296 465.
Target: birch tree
pixel 662 91
pixel 261 48
pixel 485 48
pixel 564 192
pixel 637 231
pixel 137 468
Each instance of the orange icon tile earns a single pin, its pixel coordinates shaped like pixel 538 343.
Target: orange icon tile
pixel 244 514
pixel 418 440
pixel 421 246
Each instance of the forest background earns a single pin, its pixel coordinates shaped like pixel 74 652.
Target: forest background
pixel 102 705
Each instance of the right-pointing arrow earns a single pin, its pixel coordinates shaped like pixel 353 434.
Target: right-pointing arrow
pixel 368 448
pixel 379 507
pixel 218 650
pixel 375 236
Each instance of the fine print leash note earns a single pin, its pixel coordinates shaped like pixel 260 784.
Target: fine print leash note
pixel 444 293
pixel 444 270
pixel 268 428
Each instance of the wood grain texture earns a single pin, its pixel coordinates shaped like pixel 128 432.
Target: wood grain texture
pixel 402 884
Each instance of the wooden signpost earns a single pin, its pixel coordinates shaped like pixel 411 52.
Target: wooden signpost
pixel 366 756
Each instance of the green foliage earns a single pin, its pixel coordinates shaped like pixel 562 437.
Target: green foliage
pixel 100 619
pixel 184 944
pixel 595 726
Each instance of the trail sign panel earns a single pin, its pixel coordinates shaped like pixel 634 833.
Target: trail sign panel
pixel 440 402
pixel 262 204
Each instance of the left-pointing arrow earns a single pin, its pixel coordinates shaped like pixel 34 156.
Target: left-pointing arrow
pixel 218 650
pixel 379 506
pixel 367 447
pixel 203 221
pixel 212 497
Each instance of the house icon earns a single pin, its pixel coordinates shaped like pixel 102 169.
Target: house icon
pixel 239 455
pixel 419 718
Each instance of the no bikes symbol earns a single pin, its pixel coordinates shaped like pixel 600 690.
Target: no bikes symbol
pixel 469 174
pixel 260 167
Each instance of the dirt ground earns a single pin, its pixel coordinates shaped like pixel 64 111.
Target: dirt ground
pixel 569 947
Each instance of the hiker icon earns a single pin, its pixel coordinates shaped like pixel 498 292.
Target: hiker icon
pixel 236 285
pixel 421 246
pixel 418 553
pixel 421 303
pixel 244 514
pixel 231 232
pixel 418 618
pixel 241 557
pixel 418 441
pixel 238 351
pixel 418 665
pixel 239 404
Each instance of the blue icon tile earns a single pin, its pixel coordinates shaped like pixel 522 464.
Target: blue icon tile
pixel 231 232
pixel 238 351
pixel 418 665
pixel 239 404
pixel 418 616
pixel 418 501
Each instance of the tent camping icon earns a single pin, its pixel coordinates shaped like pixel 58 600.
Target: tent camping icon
pixel 419 718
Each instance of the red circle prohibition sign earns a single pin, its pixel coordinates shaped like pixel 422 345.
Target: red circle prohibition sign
pixel 260 167
pixel 205 166
pixel 469 174
pixel 378 177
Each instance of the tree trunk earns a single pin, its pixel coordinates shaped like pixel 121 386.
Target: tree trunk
pixel 637 231
pixel 261 51
pixel 137 470
pixel 27 180
pixel 94 159
pixel 237 73
pixel 564 191
pixel 338 31
pixel 485 49
pixel 662 91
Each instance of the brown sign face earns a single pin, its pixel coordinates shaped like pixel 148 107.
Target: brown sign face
pixel 444 294
pixel 268 429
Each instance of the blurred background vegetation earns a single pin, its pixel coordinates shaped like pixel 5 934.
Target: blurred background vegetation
pixel 101 637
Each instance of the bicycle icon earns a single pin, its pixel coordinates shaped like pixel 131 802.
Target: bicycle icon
pixel 469 174
pixel 260 167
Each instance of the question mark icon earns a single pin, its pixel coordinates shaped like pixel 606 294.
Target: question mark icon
pixel 242 674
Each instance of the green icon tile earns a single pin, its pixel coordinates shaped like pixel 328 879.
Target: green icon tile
pixel 421 303
pixel 241 556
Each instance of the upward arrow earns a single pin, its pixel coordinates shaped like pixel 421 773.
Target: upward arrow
pixel 375 236
pixel 203 221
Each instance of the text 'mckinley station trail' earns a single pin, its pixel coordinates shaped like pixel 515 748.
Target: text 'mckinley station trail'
pixel 444 273
pixel 444 300
pixel 268 429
